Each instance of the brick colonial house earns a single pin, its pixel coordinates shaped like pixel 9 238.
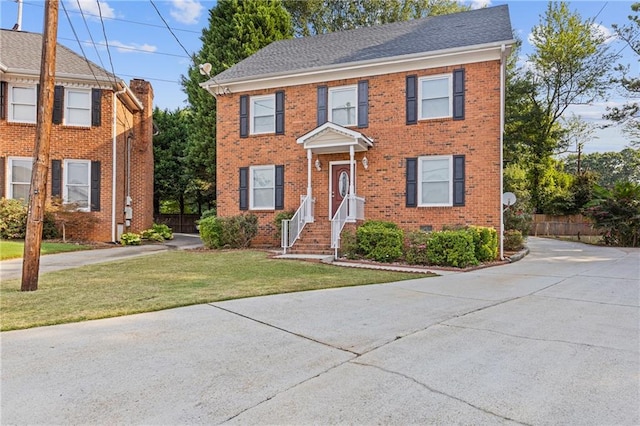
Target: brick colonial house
pixel 399 122
pixel 101 138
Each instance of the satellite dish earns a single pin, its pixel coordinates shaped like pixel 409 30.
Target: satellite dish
pixel 205 69
pixel 508 199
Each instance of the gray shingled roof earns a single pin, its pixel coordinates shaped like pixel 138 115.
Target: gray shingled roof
pixel 472 28
pixel 21 51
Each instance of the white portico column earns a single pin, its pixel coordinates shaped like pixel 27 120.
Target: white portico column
pixel 351 212
pixel 308 214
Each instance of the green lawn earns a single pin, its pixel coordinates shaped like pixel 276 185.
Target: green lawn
pixel 15 248
pixel 168 280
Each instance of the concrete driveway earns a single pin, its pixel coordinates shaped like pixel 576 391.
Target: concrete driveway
pixel 551 339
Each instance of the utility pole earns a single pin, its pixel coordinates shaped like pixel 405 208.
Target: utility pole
pixel 40 171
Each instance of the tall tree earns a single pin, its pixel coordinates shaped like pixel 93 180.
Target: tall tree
pixel 171 177
pixel 610 167
pixel 311 17
pixel 237 29
pixel 570 64
pixel 629 85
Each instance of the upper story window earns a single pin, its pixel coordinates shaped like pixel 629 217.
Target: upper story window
pixel 19 177
pixel 77 179
pixel 343 105
pixel 77 107
pixel 263 114
pixel 435 95
pixel 435 181
pixel 22 104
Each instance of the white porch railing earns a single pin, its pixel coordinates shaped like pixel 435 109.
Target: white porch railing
pixel 350 210
pixel 291 228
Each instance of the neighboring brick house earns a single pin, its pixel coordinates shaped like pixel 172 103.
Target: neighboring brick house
pixel 402 120
pixel 101 138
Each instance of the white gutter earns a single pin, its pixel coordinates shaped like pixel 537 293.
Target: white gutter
pixel 503 67
pixel 136 101
pixel 114 168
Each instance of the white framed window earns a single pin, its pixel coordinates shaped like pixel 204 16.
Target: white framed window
pixel 22 104
pixel 19 177
pixel 262 189
pixel 435 181
pixel 435 95
pixel 77 183
pixel 263 114
pixel 343 105
pixel 77 107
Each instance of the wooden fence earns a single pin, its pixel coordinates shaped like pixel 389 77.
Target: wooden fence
pixel 573 225
pixel 181 223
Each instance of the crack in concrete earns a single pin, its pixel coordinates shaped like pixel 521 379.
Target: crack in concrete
pixel 585 301
pixel 439 392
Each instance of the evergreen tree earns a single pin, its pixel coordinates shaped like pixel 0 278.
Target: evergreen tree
pixel 237 29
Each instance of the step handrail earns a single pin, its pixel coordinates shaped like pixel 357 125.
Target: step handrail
pixel 351 209
pixel 292 228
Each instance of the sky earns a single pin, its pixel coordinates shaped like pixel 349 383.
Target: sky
pixel 153 40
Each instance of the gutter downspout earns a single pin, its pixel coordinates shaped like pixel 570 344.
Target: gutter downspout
pixel 503 67
pixel 114 237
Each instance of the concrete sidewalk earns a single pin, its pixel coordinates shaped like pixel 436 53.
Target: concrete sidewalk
pixel 551 339
pixel 10 269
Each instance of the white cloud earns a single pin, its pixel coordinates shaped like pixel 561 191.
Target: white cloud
pixel 592 112
pixel 132 47
pixel 186 11
pixel 608 34
pixel 90 7
pixel 479 4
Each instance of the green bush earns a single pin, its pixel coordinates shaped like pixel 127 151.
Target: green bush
pixel 228 232
pixel 616 214
pixel 13 221
pixel 513 240
pixel 485 241
pixel 518 218
pixel 451 248
pixel 416 248
pixel 130 239
pixel 380 241
pixel 158 232
pixel 349 244
pixel 277 221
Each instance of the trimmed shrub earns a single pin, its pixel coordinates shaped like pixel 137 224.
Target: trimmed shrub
pixel 416 248
pixel 513 240
pixel 349 244
pixel 485 241
pixel 130 239
pixel 228 232
pixel 13 220
pixel 277 221
pixel 451 248
pixel 380 241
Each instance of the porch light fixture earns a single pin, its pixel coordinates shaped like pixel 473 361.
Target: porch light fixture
pixel 365 163
pixel 318 165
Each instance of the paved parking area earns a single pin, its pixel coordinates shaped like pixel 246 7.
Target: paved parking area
pixel 551 339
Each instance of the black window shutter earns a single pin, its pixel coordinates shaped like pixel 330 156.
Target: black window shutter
pixel 37 100
pixel 458 94
pixel 1 177
pixel 95 186
pixel 244 116
pixel 412 182
pixel 280 112
pixel 412 99
pixel 58 104
pixel 96 107
pixel 56 178
pixel 279 202
pixel 458 180
pixel 244 188
pixel 323 101
pixel 363 103
pixel 3 100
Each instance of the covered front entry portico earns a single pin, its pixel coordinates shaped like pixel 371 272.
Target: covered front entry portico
pixel 344 204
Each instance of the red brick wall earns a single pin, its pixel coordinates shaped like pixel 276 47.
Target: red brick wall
pixel 383 184
pixel 96 144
